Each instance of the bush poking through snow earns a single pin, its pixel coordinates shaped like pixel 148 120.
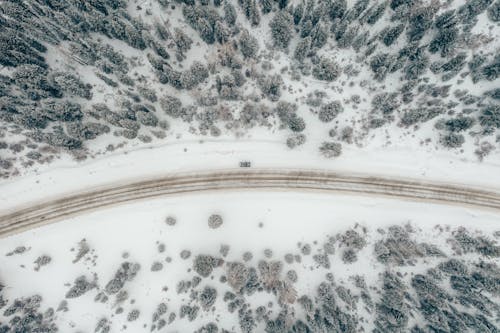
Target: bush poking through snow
pixel 207 298
pixel 126 272
pixel 80 287
pixel 205 264
pixel 249 46
pixel 42 260
pixel 133 315
pixel 330 111
pixel 237 275
pixel 326 70
pixel 330 149
pixel 171 221
pixel 215 221
pixel 452 140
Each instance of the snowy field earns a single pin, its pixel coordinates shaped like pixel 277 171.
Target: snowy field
pixel 296 230
pixel 106 92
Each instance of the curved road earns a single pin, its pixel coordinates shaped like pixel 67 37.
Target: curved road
pixel 23 219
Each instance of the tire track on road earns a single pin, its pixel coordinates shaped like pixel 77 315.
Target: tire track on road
pixel 25 218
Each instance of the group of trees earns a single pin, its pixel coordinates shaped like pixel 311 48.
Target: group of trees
pixel 494 12
pixel 447 33
pixel 49 102
pixel 287 114
pixel 208 23
pixel 187 79
pixel 271 86
pixel 44 98
pixel 456 292
pixel 40 83
pixel 392 310
pixel 281 26
pixel 411 41
pixel 251 11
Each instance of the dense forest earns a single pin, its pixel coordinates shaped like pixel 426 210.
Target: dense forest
pixel 73 71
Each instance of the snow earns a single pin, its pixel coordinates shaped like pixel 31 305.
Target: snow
pixel 287 218
pixel 66 176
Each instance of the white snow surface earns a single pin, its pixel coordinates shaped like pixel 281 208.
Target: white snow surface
pixel 66 176
pixel 287 218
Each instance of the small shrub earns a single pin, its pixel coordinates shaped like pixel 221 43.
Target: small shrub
pixel 330 149
pixel 452 140
pixel 215 221
pixel 208 297
pixel 326 70
pixel 330 111
pixel 204 264
pixel 248 45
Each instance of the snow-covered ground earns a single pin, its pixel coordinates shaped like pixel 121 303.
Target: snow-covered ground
pixel 252 222
pixel 65 176
pixel 144 137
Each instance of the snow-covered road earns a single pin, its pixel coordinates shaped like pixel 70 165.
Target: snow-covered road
pixel 25 218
